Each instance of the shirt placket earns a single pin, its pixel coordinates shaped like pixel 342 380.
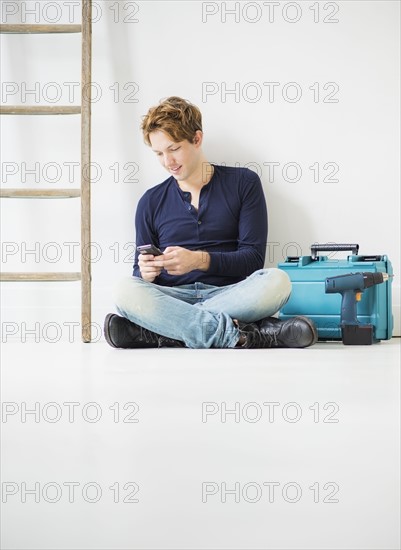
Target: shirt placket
pixel 201 209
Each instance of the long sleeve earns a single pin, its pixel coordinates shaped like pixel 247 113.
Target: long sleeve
pixel 252 234
pixel 144 231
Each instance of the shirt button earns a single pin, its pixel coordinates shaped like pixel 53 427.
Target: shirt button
pixel 199 222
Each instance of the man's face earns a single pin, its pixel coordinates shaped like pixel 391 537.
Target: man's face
pixel 179 159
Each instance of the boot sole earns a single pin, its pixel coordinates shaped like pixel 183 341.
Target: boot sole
pixel 106 331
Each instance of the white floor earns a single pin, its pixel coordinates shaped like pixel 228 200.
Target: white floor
pixel 137 449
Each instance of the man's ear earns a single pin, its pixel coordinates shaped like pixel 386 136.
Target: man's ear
pixel 198 138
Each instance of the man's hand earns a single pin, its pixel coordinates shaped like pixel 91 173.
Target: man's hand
pixel 149 270
pixel 178 261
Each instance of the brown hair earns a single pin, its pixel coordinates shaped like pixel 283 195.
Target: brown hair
pixel 175 116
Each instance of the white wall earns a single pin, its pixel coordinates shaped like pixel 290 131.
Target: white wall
pixel 144 51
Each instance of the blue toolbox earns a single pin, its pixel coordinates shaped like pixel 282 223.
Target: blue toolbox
pixel 342 296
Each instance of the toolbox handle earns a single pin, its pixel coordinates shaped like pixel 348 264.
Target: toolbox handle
pixel 328 247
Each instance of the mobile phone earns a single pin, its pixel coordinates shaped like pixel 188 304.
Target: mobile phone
pixel 149 249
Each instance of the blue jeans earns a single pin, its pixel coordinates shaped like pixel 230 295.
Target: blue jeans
pixel 202 315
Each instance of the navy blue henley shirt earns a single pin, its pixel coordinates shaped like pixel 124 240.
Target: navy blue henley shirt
pixel 230 224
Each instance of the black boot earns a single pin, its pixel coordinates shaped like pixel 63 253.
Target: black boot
pixel 297 332
pixel 122 333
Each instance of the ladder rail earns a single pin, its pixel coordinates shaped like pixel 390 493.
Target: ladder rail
pixel 86 79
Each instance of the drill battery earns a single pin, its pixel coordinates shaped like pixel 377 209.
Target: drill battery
pixel 311 298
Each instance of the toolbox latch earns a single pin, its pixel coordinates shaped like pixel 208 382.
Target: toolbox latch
pixel 376 258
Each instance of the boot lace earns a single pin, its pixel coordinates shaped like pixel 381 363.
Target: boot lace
pixel 257 339
pixel 149 337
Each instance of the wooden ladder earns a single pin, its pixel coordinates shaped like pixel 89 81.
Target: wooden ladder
pixel 84 192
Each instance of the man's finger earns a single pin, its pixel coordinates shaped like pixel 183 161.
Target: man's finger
pixel 145 257
pixel 171 249
pixel 165 262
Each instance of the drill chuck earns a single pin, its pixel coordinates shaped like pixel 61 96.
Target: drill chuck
pixel 371 279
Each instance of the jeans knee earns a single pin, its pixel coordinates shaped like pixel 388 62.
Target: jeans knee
pixel 282 281
pixel 277 286
pixel 124 290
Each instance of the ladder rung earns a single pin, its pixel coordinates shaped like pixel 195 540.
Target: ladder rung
pixel 36 277
pixel 39 193
pixel 40 110
pixel 39 29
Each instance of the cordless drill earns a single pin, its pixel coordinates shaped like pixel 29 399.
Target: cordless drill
pixel 351 286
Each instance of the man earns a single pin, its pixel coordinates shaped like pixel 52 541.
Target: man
pixel 208 288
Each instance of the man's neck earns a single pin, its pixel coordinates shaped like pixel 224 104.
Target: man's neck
pixel 199 178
